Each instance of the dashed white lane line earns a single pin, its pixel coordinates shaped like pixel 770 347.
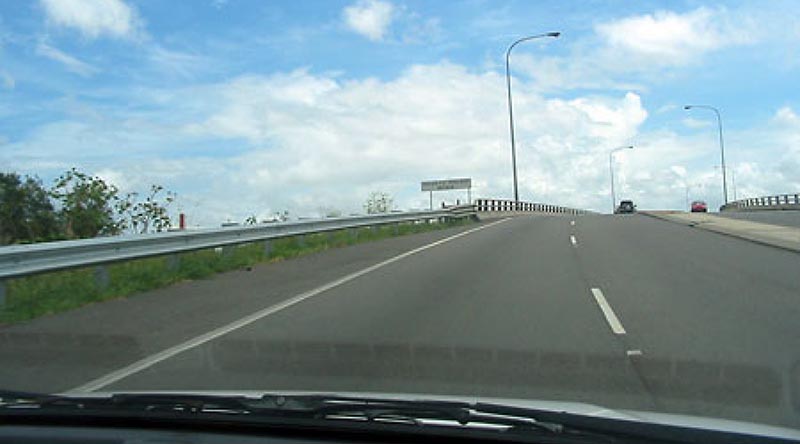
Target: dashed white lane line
pixel 151 360
pixel 573 240
pixel 634 353
pixel 572 222
pixel 611 318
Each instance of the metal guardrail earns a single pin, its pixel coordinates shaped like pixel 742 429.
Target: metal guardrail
pixel 500 205
pixel 23 260
pixel 777 202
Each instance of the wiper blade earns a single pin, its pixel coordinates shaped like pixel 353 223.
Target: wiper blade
pixel 463 413
pixel 288 406
pixel 140 402
pixel 514 422
pixel 484 416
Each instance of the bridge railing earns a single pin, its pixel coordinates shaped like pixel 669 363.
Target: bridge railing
pixel 504 205
pixel 776 202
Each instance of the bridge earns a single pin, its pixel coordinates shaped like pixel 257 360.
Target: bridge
pixel 694 314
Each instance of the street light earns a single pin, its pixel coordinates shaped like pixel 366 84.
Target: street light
pixel 511 107
pixel 721 147
pixel 611 169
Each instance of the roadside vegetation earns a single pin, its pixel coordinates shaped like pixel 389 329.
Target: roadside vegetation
pixel 79 206
pixel 34 296
pixel 76 206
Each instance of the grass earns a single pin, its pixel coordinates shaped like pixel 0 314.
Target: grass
pixel 39 295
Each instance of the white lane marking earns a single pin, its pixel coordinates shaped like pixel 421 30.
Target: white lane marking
pixel 634 353
pixel 611 318
pixel 151 360
pixel 573 240
pixel 572 222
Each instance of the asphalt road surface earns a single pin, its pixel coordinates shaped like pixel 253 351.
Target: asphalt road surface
pixel 626 311
pixel 789 218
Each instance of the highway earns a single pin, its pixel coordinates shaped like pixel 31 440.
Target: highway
pixel 624 311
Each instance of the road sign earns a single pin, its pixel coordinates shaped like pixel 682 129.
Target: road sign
pixel 449 184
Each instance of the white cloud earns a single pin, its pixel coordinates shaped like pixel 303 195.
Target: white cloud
pixel 419 30
pixel 303 141
pixel 93 18
pixel 673 37
pixel 370 18
pixel 71 63
pixel 626 54
pixel 332 141
pixel 176 62
pixel 786 116
pixel 693 123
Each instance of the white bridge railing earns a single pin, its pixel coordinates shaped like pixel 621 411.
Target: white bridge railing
pixel 777 202
pixel 501 206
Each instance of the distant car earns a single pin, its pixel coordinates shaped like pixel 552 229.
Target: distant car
pixel 699 206
pixel 626 206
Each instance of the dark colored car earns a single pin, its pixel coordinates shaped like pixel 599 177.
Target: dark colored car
pixel 699 206
pixel 626 206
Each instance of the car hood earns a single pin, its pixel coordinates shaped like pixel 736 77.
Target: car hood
pixel 578 408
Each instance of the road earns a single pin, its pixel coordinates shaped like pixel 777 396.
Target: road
pixel 624 311
pixel 789 218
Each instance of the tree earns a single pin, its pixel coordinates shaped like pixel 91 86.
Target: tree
pixel 26 212
pixel 251 220
pixel 378 202
pixel 148 215
pixel 86 205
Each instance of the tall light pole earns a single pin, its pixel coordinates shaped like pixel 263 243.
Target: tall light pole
pixel 733 179
pixel 511 106
pixel 611 170
pixel 689 186
pixel 721 147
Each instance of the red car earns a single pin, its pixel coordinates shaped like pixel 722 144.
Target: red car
pixel 699 206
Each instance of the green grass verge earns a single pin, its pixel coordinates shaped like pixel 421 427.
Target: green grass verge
pixel 34 296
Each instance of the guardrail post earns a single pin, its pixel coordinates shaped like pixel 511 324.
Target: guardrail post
pixel 173 262
pixel 267 248
pixel 101 277
pixel 396 228
pixel 2 293
pixel 301 240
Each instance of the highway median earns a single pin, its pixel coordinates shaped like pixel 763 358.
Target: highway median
pixel 787 238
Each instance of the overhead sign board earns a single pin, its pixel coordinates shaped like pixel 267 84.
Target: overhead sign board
pixel 449 184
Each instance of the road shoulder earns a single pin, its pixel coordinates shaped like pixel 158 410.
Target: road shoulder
pixel 787 238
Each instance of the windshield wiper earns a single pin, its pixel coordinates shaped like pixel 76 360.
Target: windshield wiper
pixel 331 409
pixel 14 400
pixel 512 422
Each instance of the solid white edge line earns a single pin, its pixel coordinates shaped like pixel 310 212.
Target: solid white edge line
pixel 151 360
pixel 611 318
pixel 573 240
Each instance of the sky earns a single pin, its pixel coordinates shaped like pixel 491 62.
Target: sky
pixel 250 107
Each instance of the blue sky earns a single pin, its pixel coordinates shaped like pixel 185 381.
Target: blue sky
pixel 252 107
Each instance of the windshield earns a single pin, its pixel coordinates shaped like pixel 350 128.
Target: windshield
pixel 405 197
